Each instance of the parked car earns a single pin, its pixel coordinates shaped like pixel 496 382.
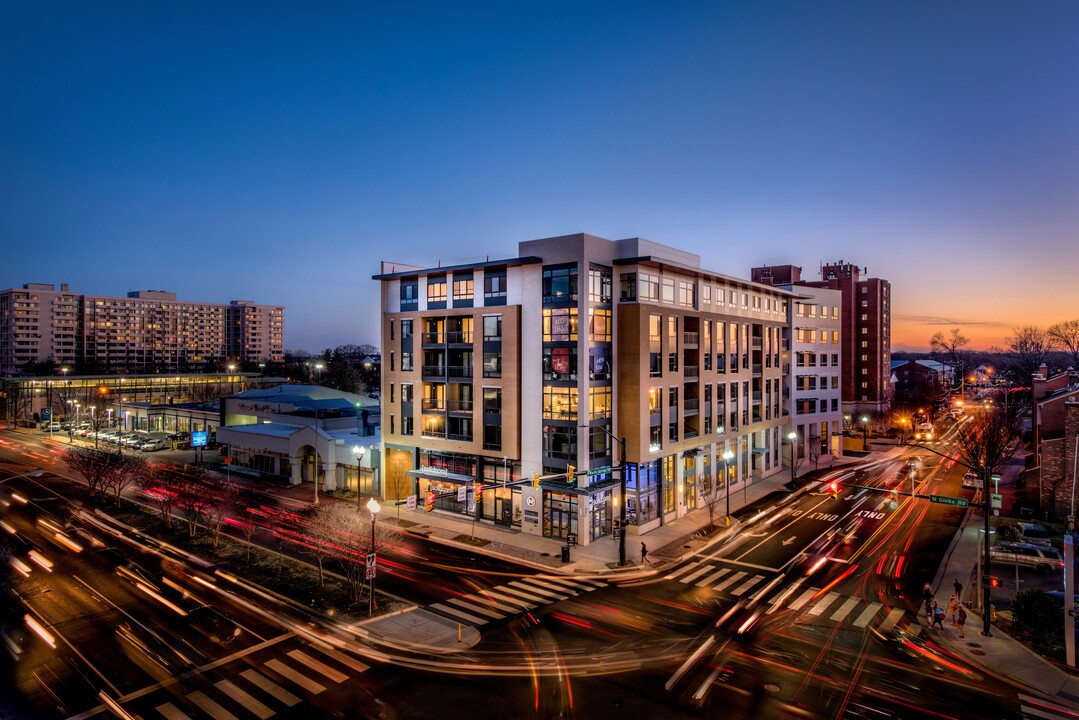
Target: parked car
pixel 972 481
pixel 153 445
pixel 1041 558
pixel 53 426
pixel 214 624
pixel 1033 534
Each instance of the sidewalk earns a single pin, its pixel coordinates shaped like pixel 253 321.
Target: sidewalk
pixel 1000 653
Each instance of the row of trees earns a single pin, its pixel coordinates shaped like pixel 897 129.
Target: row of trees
pixel 1027 348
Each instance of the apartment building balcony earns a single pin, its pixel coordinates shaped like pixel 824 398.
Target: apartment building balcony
pixel 691 372
pixel 690 339
pixel 758 343
pixel 433 372
pixel 758 369
pixel 459 337
pixel 433 338
pixel 459 406
pixel 691 406
pixel 459 371
pixel 433 405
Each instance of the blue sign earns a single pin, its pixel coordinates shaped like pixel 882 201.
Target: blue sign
pixel 199 439
pixel 46 414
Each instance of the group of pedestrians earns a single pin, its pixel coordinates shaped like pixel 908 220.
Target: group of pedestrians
pixel 934 614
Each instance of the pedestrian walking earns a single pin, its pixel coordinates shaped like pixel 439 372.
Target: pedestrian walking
pixel 927 593
pixel 953 607
pixel 929 611
pixel 958 590
pixel 644 553
pixel 961 618
pixel 938 616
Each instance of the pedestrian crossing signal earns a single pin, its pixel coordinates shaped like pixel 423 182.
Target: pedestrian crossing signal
pixel 429 502
pixel 535 481
pixel 833 488
pixel 571 472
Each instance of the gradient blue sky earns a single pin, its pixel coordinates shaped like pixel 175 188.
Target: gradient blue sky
pixel 277 151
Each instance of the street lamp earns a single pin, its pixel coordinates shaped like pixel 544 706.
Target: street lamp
pixel 865 433
pixel 792 436
pixel 373 507
pixel 358 452
pixel 232 380
pixel 727 457
pixel 622 499
pixel 93 423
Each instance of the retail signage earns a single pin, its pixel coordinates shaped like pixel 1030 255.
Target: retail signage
pixel 461 493
pixel 199 439
pixel 410 503
pixel 531 507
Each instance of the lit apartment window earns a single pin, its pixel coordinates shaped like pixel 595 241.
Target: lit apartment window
pixel 436 290
pixel 560 325
pixel 655 400
pixel 655 323
pixel 599 325
pixel 463 289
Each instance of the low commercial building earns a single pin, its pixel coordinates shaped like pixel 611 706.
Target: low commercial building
pixel 304 434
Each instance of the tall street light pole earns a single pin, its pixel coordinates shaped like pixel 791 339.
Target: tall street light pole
pixel 373 507
pixel 865 433
pixel 792 436
pixel 727 457
pixel 358 451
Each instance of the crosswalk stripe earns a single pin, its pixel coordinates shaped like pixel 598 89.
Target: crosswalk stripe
pixel 244 699
pixel 501 603
pixel 172 712
pixel 302 680
pixel 823 603
pixel 684 569
pixel 511 601
pixel 740 590
pixel 346 660
pixel 476 607
pixel 269 687
pixel 518 592
pixel 803 599
pixel 845 609
pixel 890 621
pixel 210 707
pixel 867 614
pixel 560 594
pixel 578 584
pixel 713 577
pixel 696 574
pixel 729 581
pixel 317 666
pixel 458 613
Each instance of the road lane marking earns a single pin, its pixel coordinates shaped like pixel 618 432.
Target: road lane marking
pixel 845 609
pixel 245 699
pixel 529 596
pixel 713 577
pixel 320 667
pixel 867 615
pixel 732 579
pixel 823 603
pixel 510 600
pixel 803 598
pixel 269 687
pixel 685 568
pixel 346 660
pixel 889 622
pixel 476 607
pixel 696 574
pixel 302 680
pixel 208 706
pixel 741 589
pixel 458 613
pixel 560 593
pixel 171 712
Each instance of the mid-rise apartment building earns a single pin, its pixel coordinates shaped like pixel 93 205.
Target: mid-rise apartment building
pixel 866 318
pixel 564 358
pixel 148 330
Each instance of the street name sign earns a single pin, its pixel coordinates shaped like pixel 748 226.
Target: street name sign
pixel 945 500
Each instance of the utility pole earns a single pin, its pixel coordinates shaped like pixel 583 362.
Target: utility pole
pixel 987 476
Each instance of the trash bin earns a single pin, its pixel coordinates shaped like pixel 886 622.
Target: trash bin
pixel 565 553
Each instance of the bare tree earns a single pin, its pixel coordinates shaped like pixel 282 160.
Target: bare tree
pixel 949 349
pixel 92 464
pixel 397 484
pixel 1028 348
pixel 319 537
pixel 815 450
pixel 121 472
pixel 224 502
pixel 1065 335
pixel 711 498
pixel 194 492
pixel 988 443
pixel 160 486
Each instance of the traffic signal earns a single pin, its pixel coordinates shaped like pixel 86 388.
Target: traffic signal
pixel 895 497
pixel 477 489
pixel 429 502
pixel 535 481
pixel 571 472
pixel 833 488
pixel 994 581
